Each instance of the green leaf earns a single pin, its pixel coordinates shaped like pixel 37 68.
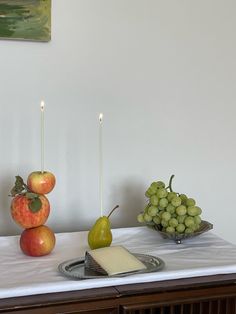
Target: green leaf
pixel 31 195
pixel 19 186
pixel 35 205
pixel 13 192
pixel 19 182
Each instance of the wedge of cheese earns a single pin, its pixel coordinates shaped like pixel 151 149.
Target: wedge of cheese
pixel 112 260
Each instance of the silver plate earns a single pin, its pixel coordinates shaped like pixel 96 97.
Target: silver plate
pixel 178 237
pixel 75 269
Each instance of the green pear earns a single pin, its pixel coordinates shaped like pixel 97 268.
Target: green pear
pixel 100 234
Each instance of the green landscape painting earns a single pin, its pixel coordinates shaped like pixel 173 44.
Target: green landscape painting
pixel 25 19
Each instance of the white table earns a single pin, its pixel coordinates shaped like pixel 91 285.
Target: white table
pixel 22 275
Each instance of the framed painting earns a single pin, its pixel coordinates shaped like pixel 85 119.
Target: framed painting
pixel 25 19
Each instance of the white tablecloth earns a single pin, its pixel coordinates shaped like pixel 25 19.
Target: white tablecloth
pixel 22 275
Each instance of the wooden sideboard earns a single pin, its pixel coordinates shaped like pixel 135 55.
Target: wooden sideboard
pixel 199 295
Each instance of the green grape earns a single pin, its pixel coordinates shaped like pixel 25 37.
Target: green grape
pixel 152 211
pixel 150 191
pixel 164 223
pixel 199 211
pixel 189 222
pixel 173 222
pixel 197 220
pixel 147 218
pixel 181 210
pixel 174 212
pixel 180 228
pixel 195 227
pixel 183 198
pixel 159 213
pixel 171 195
pixel 160 184
pixel 170 229
pixel 165 216
pixel 188 230
pixel 140 218
pixel 190 202
pixel 154 185
pixel 161 193
pixel 163 202
pixel 147 194
pixel 154 200
pixel 181 219
pixel 170 209
pixel 192 211
pixel 157 220
pixel 176 201
pixel 146 208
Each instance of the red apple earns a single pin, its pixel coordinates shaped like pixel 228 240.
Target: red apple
pixel 24 216
pixel 37 241
pixel 41 182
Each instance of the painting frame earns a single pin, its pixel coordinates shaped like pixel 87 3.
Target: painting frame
pixel 28 20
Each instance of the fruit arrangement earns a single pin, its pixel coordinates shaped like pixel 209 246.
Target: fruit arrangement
pixel 169 211
pixel 30 209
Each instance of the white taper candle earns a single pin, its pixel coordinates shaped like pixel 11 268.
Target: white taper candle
pixel 42 135
pixel 100 164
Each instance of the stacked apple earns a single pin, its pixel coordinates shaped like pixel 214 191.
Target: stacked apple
pixel 30 209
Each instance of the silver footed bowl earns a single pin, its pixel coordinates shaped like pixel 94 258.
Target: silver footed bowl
pixel 178 237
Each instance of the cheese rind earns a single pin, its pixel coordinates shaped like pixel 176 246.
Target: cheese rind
pixel 113 260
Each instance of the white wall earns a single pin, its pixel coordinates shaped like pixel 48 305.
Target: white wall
pixel 164 75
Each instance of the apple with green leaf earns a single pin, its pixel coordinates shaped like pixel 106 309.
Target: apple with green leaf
pixel 29 213
pixel 37 241
pixel 28 209
pixel 41 182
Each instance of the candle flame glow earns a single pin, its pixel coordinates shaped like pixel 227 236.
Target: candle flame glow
pixel 42 105
pixel 100 117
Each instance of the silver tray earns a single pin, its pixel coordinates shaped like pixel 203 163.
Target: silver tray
pixel 75 269
pixel 178 237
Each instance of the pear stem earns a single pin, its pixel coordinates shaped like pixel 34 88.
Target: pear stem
pixel 112 210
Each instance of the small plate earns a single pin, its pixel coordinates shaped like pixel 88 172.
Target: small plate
pixel 178 237
pixel 75 269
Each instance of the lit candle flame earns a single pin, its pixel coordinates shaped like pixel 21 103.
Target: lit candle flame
pixel 42 105
pixel 100 117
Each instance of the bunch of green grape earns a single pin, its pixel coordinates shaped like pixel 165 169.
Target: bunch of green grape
pixel 170 211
